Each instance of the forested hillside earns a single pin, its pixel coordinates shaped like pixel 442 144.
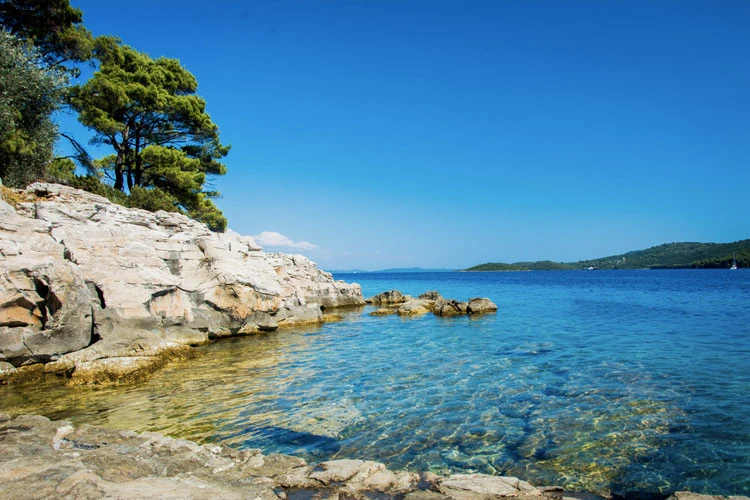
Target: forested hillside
pixel 667 256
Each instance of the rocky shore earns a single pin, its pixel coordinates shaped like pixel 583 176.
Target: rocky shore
pixel 107 294
pixel 103 294
pixel 395 302
pixel 40 458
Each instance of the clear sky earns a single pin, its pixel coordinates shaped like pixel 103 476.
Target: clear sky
pixel 397 133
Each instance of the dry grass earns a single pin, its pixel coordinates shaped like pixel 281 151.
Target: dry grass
pixel 14 196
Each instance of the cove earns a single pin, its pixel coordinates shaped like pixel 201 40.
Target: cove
pixel 628 382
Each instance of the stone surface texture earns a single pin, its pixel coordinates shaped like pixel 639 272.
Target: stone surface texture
pixel 40 458
pixel 394 302
pixel 480 305
pixel 82 279
pixel 389 298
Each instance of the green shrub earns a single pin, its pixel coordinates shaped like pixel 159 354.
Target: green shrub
pixel 152 199
pixel 28 96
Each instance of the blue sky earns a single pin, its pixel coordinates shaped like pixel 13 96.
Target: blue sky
pixel 376 134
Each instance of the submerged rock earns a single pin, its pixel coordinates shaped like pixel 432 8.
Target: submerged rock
pixel 385 311
pixel 42 458
pixel 53 459
pixel 81 274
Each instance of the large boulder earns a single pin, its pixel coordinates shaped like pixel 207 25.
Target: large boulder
pixel 415 307
pixel 450 307
pixel 432 295
pixel 477 486
pixel 481 306
pixel 46 306
pixel 389 298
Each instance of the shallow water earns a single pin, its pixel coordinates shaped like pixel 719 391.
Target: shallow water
pixel 622 382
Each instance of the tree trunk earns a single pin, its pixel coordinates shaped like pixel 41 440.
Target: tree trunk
pixel 121 160
pixel 130 177
pixel 138 164
pixel 119 184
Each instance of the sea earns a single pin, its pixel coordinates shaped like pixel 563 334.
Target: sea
pixel 631 383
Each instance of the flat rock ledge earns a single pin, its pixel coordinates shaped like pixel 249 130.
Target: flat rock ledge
pixel 41 458
pixel 395 302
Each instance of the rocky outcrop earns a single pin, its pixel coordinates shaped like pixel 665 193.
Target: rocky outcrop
pixel 415 307
pixel 83 280
pixel 41 458
pixel 481 306
pixel 52 459
pixel 687 495
pixel 450 307
pixel 388 298
pixel 394 302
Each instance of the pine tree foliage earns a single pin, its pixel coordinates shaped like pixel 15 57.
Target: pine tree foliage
pixel 53 27
pixel 162 138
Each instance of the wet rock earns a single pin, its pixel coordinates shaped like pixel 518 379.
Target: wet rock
pixel 332 318
pixel 40 458
pixel 382 480
pixel 433 295
pixel 351 471
pixel 273 465
pixel 450 307
pixel 425 495
pixel 389 298
pixel 384 312
pixel 415 307
pixel 7 371
pixel 474 486
pixel 686 495
pixel 481 306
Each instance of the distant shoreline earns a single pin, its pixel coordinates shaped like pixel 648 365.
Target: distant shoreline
pixel 688 255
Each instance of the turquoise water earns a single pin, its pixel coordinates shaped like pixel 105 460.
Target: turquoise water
pixel 630 382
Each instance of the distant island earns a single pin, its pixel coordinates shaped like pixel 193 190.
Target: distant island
pixel 393 270
pixel 667 256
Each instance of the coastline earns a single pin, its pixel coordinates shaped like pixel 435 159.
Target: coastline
pixel 105 294
pixel 284 292
pixel 42 458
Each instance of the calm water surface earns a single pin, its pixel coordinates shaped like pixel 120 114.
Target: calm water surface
pixel 621 381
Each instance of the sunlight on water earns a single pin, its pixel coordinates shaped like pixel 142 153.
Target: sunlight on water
pixel 607 382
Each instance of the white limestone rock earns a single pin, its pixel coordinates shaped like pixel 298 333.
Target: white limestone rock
pixel 115 269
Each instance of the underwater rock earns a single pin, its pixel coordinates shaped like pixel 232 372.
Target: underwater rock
pixel 42 458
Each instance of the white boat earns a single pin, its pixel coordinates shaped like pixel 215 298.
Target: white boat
pixel 734 264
